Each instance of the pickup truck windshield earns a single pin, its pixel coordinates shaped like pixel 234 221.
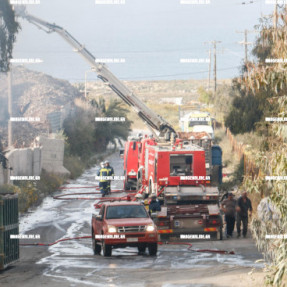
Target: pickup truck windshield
pixel 126 211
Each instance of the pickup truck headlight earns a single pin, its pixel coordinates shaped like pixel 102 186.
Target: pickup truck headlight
pixel 112 229
pixel 150 228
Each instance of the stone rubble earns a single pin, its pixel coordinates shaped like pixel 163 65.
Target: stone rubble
pixel 35 95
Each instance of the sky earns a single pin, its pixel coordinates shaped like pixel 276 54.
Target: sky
pixel 151 38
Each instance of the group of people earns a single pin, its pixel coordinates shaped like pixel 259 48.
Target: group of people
pixel 236 210
pixel 104 183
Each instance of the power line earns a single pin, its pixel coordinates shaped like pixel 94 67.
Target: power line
pixel 170 75
pixel 123 52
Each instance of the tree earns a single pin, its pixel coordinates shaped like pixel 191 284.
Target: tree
pixel 8 29
pixel 258 84
pixel 87 136
pixel 245 112
pixel 106 132
pixel 267 82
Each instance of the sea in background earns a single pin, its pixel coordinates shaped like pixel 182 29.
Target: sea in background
pixel 150 36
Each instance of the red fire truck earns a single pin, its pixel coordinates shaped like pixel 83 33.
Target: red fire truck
pixel 177 174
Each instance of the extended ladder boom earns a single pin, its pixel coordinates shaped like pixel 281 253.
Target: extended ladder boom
pixel 154 121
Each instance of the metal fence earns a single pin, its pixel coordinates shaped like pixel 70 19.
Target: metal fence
pixel 9 225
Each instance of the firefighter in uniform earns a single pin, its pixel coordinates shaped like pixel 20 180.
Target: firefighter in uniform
pixel 110 173
pixel 103 172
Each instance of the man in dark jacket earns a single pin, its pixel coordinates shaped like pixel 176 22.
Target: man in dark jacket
pixel 242 207
pixel 154 205
pixel 228 206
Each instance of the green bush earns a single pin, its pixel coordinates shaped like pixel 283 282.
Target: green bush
pixel 75 165
pixel 204 95
pixel 8 188
pixel 49 183
pixel 31 193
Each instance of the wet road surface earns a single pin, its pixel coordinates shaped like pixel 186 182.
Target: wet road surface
pixel 72 263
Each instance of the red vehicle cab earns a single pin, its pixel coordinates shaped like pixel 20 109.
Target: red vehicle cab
pixel 121 224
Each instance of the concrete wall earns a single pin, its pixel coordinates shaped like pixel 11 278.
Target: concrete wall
pixel 2 179
pixel 25 161
pixel 48 155
pixel 53 155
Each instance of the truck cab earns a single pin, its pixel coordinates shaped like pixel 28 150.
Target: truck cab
pixel 121 224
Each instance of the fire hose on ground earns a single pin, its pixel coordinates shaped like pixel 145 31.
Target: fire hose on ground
pixel 101 200
pixel 160 243
pixel 70 196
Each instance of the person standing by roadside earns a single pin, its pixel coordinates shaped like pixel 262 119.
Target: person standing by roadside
pixel 243 205
pixel 228 206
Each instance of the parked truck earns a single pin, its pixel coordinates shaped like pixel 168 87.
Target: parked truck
pixel 121 224
pixel 177 173
pixel 197 121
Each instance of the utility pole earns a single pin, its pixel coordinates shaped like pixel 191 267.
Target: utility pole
pixel 275 16
pixel 209 68
pixel 214 64
pixel 10 109
pixel 245 43
pixel 245 46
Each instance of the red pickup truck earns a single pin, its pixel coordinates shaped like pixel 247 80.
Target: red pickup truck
pixel 121 224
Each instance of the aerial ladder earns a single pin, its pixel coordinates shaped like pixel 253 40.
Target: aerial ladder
pixel 160 128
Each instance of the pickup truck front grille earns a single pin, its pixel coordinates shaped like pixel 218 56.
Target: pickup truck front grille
pixel 126 229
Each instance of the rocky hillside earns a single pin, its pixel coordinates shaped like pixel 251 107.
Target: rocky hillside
pixel 35 95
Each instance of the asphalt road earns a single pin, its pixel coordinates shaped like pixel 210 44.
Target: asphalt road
pixel 72 263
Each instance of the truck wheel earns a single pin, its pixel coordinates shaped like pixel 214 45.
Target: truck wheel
pixel 152 249
pixel 107 249
pixel 96 247
pixel 141 248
